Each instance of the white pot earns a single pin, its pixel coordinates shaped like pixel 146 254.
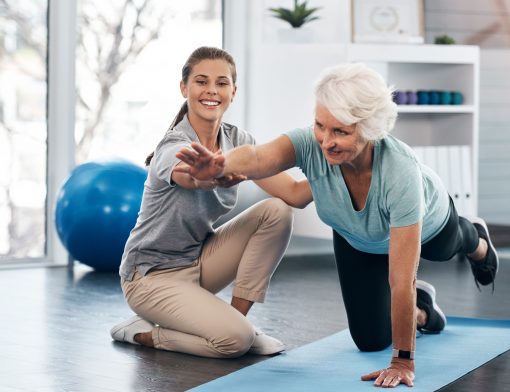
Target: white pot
pixel 299 35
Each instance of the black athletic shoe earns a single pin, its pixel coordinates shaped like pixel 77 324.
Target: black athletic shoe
pixel 426 300
pixel 484 271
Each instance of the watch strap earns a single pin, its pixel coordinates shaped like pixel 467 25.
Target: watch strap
pixel 403 354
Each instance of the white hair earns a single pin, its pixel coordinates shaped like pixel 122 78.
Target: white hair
pixel 355 94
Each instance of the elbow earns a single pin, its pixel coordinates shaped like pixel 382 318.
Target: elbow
pixel 299 205
pixel 296 202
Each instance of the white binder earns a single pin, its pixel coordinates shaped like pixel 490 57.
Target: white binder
pixel 456 178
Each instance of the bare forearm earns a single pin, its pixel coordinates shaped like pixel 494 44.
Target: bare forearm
pixel 251 161
pixel 296 193
pixel 403 316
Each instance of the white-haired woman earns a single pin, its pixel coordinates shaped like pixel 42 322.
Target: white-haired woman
pixel 385 208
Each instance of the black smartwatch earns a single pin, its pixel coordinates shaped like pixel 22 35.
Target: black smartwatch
pixel 403 354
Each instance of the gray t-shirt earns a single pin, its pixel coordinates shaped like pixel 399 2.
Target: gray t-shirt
pixel 173 222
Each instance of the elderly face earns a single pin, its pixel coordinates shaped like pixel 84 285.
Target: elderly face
pixel 340 143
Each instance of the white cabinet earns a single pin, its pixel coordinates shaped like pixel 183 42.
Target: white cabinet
pixel 445 136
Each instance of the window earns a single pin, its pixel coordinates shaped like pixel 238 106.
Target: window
pixel 23 131
pixel 128 71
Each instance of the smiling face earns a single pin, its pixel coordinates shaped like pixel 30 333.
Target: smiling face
pixel 340 143
pixel 209 90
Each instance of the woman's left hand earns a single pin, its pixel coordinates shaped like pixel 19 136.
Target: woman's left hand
pixel 230 180
pixel 221 182
pixel 399 372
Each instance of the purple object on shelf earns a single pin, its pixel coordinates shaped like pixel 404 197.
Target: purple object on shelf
pixel 400 97
pixel 412 98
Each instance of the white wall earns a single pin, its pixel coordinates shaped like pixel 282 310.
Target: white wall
pixel 485 23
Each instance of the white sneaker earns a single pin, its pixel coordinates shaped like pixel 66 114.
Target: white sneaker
pixel 126 331
pixel 265 344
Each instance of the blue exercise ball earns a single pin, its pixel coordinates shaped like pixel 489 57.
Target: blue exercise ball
pixel 96 209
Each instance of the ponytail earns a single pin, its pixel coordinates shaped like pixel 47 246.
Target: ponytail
pixel 178 118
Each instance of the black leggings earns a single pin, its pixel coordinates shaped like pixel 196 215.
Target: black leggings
pixel 365 286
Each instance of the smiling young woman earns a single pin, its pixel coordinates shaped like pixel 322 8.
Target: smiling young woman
pixel 174 261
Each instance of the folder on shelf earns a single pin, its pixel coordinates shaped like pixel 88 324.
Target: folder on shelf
pixel 467 181
pixel 456 178
pixel 442 165
pixel 429 157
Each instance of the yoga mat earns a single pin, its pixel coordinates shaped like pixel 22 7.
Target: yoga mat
pixel 334 363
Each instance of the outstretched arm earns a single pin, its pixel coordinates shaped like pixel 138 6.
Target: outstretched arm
pixel 254 162
pixel 186 181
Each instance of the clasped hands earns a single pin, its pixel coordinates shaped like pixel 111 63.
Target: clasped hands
pixel 207 167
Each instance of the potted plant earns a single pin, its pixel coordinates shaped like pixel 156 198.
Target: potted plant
pixel 298 16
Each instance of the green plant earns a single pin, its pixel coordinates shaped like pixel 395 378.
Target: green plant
pixel 444 40
pixel 298 16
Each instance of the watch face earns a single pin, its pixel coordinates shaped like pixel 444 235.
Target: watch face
pixel 384 18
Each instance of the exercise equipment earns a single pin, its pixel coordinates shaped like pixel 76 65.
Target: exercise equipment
pixel 334 363
pixel 96 208
pixel 423 97
pixel 400 97
pixel 457 98
pixel 446 98
pixel 434 97
pixel 412 98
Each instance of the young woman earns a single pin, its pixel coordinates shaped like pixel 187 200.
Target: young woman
pixel 385 208
pixel 174 261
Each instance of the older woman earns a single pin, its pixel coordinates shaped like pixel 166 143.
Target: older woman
pixel 386 210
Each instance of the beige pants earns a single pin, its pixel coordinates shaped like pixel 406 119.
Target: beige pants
pixel 189 317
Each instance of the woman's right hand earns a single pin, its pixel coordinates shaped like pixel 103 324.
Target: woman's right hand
pixel 201 163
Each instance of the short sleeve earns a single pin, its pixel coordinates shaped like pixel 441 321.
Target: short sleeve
pixel 405 196
pixel 164 159
pixel 303 141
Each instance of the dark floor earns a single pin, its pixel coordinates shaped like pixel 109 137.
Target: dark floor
pixel 55 325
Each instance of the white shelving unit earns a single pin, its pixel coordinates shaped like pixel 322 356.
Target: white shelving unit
pixel 444 129
pixel 278 96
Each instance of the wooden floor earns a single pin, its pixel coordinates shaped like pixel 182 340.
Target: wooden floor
pixel 55 327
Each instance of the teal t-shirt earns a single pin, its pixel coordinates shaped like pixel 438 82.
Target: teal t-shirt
pixel 402 192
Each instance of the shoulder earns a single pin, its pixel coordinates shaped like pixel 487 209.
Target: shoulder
pixel 175 136
pixel 300 136
pixel 236 135
pixel 397 154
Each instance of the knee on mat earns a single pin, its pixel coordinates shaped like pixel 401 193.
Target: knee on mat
pixel 234 343
pixel 371 343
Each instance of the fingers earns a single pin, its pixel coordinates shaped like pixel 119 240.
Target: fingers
pixel 371 376
pixel 230 180
pixel 182 169
pixel 187 156
pixel 389 378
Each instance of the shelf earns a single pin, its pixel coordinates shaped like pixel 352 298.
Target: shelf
pixel 445 54
pixel 436 108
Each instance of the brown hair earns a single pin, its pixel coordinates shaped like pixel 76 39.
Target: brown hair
pixel 202 53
